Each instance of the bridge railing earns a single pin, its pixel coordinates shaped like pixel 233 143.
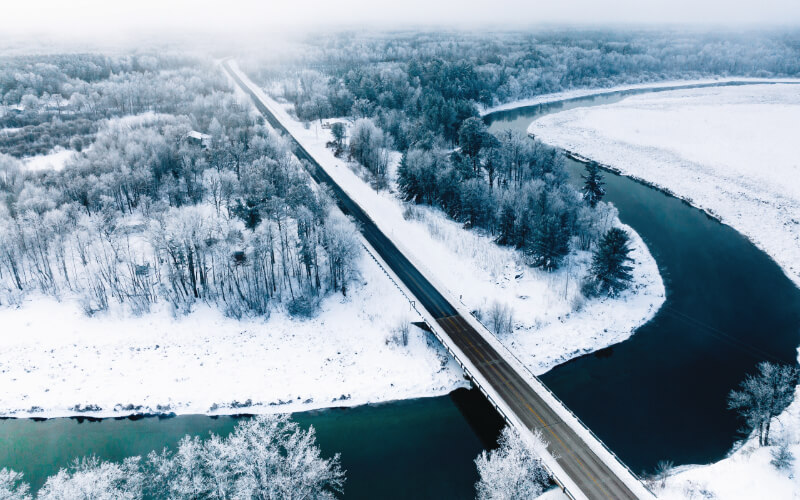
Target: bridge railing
pixel 576 417
pixel 413 304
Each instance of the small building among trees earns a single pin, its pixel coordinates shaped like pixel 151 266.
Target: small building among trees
pixel 197 139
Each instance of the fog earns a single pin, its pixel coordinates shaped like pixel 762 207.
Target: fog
pixel 109 19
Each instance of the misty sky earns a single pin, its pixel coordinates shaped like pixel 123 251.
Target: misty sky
pixel 85 17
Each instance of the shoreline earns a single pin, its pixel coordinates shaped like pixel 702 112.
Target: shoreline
pixel 241 412
pixel 569 95
pixel 741 226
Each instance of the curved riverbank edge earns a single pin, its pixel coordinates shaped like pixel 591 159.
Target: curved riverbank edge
pixel 568 95
pixel 234 411
pixel 746 468
pixel 715 208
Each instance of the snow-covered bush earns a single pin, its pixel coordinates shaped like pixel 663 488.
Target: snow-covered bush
pixel 399 334
pixel 782 456
pixel 501 318
pixel 268 456
pixel 510 472
pixel 91 478
pixel 12 487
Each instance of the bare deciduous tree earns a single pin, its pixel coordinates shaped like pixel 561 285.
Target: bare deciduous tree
pixel 763 396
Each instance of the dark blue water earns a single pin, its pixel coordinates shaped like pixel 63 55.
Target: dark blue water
pixel 662 393
pixel 421 448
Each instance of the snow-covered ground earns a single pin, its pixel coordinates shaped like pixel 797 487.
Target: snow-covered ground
pixel 552 321
pixel 747 473
pixel 55 361
pixel 54 160
pixel 729 150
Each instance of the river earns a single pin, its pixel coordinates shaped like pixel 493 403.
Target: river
pixel 659 395
pixel 422 448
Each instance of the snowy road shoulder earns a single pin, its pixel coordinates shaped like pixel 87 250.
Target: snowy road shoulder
pixel 553 323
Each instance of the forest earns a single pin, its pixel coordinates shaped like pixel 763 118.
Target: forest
pixel 144 212
pixel 422 95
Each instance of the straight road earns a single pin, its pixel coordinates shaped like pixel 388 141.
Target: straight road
pixel 592 476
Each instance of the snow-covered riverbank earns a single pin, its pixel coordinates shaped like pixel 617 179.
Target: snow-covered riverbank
pixel 60 362
pixel 553 323
pixel 747 473
pixel 665 84
pixel 728 150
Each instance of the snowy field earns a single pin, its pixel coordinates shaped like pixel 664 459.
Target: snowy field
pixel 61 362
pixel 54 160
pixel 729 150
pixel 552 322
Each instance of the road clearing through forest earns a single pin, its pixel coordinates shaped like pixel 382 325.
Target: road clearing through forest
pixel 578 460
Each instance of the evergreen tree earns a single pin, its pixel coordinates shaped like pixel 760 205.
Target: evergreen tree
pixel 550 243
pixel 593 186
pixel 471 137
pixel 610 272
pixel 508 223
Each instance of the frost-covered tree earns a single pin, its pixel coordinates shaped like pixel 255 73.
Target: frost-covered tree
pixel 471 137
pixel 272 457
pixel 264 457
pixel 510 472
pixel 593 190
pixel 764 396
pixel 610 272
pixel 12 486
pixel 339 133
pixel 369 146
pixel 343 247
pixel 93 479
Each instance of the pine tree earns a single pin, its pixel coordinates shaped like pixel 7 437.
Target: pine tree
pixel 550 242
pixel 593 186
pixel 508 224
pixel 610 272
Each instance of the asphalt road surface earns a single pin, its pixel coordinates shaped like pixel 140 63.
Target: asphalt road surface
pixel 592 476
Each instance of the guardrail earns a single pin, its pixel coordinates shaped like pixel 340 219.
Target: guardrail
pixel 413 303
pixel 467 370
pixel 582 424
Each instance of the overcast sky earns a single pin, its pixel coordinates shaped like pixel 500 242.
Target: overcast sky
pixel 95 17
